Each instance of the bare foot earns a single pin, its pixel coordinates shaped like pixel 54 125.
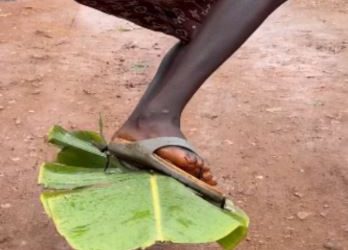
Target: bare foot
pixel 184 159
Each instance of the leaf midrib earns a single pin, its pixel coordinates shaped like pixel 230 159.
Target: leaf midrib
pixel 156 207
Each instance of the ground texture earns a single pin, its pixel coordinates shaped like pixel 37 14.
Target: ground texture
pixel 272 122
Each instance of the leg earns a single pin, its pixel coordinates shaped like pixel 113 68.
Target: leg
pixel 186 69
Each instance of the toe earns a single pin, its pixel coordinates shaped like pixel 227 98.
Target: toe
pixel 191 159
pixel 200 162
pixel 212 182
pixel 187 161
pixel 174 155
pixel 207 176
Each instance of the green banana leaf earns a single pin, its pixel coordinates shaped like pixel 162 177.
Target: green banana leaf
pixel 126 209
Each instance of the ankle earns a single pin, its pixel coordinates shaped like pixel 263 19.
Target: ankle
pixel 142 126
pixel 148 118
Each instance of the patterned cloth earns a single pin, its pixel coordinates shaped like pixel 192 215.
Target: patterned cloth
pixel 179 18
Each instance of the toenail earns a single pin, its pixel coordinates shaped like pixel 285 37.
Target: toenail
pixel 207 175
pixel 190 158
pixel 200 163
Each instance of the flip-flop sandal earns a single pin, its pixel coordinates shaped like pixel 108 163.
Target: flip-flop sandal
pixel 143 153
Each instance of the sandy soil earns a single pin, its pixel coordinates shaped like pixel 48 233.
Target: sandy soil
pixel 272 121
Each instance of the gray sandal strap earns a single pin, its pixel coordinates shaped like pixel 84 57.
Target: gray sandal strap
pixel 152 145
pixel 147 147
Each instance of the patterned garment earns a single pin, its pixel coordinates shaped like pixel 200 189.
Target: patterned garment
pixel 179 18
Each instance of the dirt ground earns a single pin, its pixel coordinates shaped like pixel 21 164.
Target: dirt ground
pixel 272 122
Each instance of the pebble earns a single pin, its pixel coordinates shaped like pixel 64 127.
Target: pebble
pixel 303 215
pixel 332 246
pixel 323 214
pixel 2 108
pixel 88 92
pixel 28 138
pixel 42 34
pixel 260 177
pixel 15 159
pixel 18 121
pixel 229 142
pixel 39 57
pixel 298 194
pixel 273 110
pixel 36 92
pixel 5 205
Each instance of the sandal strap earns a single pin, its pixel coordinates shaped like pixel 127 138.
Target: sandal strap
pixel 154 144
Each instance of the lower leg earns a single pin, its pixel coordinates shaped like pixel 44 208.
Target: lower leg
pixel 227 27
pixel 138 118
pixel 186 68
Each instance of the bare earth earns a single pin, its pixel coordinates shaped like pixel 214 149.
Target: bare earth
pixel 272 122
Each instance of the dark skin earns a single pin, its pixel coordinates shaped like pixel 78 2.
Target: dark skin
pixel 183 71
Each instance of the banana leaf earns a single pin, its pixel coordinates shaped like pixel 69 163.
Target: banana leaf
pixel 126 209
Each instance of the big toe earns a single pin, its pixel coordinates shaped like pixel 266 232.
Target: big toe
pixel 188 161
pixel 182 158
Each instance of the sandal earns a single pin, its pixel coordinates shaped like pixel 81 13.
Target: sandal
pixel 143 153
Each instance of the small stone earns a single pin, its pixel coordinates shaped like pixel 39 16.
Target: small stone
pixel 326 206
pixel 11 102
pixel 260 177
pixel 332 245
pixel 15 159
pixel 298 194
pixel 291 217
pixel 275 109
pixel 42 34
pixel 36 92
pixel 5 205
pixel 28 138
pixel 31 111
pixel 88 92
pixel 39 57
pixel 229 142
pixel 323 214
pixel 2 107
pixel 303 215
pixel 261 242
pixel 18 121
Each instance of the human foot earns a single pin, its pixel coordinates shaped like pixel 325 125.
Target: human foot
pixel 184 159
